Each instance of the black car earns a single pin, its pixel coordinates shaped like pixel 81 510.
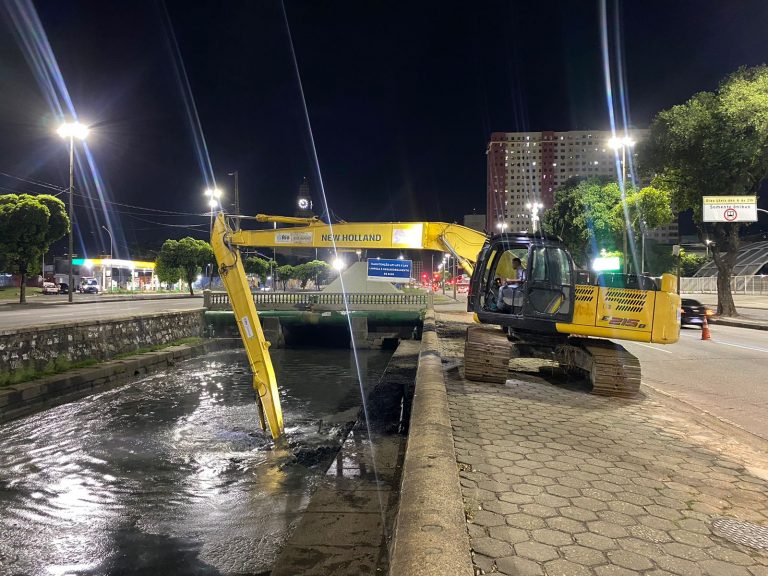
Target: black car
pixel 693 312
pixel 63 288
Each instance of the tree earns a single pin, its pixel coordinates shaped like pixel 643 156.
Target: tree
pixel 583 216
pixel 186 255
pixel 646 209
pixel 316 270
pixel 286 272
pixel 690 263
pixel 716 144
pixel 257 266
pixel 166 273
pixel 28 226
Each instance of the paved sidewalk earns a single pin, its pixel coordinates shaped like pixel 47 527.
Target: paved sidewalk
pixel 558 482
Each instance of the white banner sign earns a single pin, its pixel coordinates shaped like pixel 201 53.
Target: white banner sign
pixel 293 238
pixel 729 209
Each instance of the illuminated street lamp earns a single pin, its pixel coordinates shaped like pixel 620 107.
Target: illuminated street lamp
pixel 502 226
pixel 534 207
pixel 72 130
pixel 623 144
pixel 338 264
pixel 707 242
pixel 214 201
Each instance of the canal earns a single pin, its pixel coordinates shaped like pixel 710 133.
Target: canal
pixel 171 474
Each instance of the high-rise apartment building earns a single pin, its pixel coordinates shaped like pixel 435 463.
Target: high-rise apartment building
pixel 527 167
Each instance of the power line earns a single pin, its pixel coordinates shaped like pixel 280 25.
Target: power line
pixel 144 208
pixel 35 182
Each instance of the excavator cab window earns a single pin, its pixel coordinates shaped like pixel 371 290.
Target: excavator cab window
pixel 503 277
pixel 550 288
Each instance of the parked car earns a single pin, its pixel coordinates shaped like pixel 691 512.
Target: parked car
pixel 693 312
pixel 50 288
pixel 63 288
pixel 89 286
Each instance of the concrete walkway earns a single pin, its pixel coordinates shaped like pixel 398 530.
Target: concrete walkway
pixel 558 482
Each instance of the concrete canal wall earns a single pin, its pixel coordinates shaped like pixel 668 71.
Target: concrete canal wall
pixel 55 347
pixel 431 536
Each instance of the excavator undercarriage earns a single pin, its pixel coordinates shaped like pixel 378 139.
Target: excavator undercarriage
pixel 609 367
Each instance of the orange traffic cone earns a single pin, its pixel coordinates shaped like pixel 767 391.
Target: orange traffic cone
pixel 705 335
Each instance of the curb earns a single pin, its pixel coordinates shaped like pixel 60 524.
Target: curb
pixel 738 324
pixel 709 420
pixel 18 400
pixel 430 536
pixel 105 299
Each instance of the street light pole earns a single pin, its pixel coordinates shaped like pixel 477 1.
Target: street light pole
pixel 624 191
pixel 454 278
pixel 237 199
pixel 72 130
pixel 104 280
pixel 70 240
pixel 623 143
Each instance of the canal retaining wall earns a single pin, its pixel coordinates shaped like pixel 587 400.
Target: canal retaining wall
pixel 431 536
pixel 55 347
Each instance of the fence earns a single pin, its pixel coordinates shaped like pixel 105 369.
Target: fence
pixel 739 285
pixel 327 300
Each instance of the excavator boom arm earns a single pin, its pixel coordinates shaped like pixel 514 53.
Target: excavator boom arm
pixel 462 242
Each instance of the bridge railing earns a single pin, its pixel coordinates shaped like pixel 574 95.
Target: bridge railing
pixel 320 300
pixel 739 285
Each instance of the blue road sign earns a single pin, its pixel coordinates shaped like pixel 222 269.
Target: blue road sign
pixel 398 271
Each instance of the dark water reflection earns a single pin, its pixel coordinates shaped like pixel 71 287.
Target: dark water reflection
pixel 171 474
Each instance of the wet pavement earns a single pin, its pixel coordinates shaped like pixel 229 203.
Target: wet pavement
pixel 171 474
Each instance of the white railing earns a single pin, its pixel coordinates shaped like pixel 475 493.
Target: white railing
pixel 739 285
pixel 265 300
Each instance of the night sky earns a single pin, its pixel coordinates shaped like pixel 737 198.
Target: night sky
pixel 402 97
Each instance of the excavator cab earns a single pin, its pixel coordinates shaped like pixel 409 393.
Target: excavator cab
pixel 523 282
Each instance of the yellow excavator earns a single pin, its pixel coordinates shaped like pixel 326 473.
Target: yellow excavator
pixel 525 283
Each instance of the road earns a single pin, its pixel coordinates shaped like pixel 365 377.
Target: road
pixel 14 316
pixel 725 375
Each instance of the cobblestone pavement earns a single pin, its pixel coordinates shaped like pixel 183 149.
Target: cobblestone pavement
pixel 562 483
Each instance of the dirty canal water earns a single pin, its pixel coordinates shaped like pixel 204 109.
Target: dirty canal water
pixel 171 474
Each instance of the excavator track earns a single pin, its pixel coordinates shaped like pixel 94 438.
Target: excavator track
pixel 611 370
pixel 487 352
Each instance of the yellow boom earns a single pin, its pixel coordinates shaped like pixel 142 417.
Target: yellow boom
pixel 463 243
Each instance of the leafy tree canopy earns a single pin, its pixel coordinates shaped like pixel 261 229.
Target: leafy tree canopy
pixel 316 270
pixel 258 266
pixel 166 273
pixel 285 273
pixel 647 208
pixel 714 144
pixel 187 255
pixel 28 226
pixel 583 216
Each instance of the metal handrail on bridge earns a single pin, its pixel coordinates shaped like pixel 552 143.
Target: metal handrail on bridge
pixel 220 300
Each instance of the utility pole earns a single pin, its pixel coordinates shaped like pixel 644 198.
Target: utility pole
pixel 237 199
pixel 454 278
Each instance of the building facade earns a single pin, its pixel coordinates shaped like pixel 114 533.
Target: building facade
pixel 475 221
pixel 527 167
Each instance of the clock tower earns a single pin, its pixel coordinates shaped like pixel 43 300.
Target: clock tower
pixel 304 201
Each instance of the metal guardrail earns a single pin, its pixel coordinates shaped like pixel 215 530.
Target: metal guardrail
pixel 220 300
pixel 739 285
